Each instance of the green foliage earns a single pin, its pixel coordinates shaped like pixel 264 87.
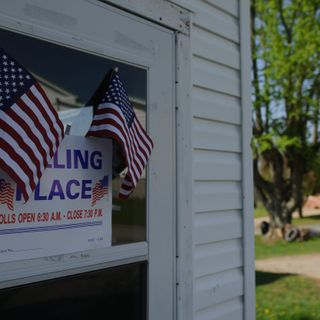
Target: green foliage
pixel 268 141
pixel 286 43
pixel 286 99
pixel 286 297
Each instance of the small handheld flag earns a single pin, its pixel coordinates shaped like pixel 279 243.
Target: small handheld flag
pixel 30 130
pixel 6 194
pixel 115 118
pixel 99 190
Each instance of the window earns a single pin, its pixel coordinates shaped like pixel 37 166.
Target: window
pixel 69 78
pixel 119 293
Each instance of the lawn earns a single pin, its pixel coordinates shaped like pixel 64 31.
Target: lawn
pixel 287 297
pixel 266 249
pixel 261 212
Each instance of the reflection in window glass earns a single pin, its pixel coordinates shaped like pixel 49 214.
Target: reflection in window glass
pixel 70 77
pixel 114 293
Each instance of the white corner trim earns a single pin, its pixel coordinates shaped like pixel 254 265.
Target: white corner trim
pixel 185 270
pixel 247 175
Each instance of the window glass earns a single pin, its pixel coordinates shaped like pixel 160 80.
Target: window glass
pixel 114 293
pixel 70 77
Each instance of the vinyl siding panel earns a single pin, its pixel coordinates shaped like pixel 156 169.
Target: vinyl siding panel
pixel 211 105
pixel 211 135
pixel 215 77
pixel 215 257
pixel 229 6
pixel 217 196
pixel 228 310
pixel 217 159
pixel 216 21
pixel 212 227
pixel 211 47
pixel 219 287
pixel 211 165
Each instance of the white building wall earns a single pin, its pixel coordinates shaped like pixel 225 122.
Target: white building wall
pixel 217 159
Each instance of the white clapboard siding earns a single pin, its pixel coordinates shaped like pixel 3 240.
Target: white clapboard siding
pixel 212 105
pixel 211 135
pixel 209 46
pixel 219 287
pixel 215 77
pixel 218 256
pixel 229 6
pixel 228 310
pixel 217 21
pixel 217 159
pixel 217 196
pixel 216 226
pixel 215 165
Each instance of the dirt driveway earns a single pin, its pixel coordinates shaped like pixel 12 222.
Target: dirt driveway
pixel 306 265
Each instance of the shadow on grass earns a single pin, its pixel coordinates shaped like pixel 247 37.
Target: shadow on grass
pixel 263 278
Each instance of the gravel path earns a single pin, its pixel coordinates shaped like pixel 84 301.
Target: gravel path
pixel 306 265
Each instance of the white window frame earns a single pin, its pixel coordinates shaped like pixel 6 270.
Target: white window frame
pixel 26 17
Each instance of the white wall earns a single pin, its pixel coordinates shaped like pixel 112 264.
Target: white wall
pixel 218 216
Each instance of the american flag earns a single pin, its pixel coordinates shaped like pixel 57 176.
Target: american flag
pixel 114 118
pixel 6 194
pixel 99 190
pixel 30 130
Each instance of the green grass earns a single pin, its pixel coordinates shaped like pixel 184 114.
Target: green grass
pixel 286 297
pixel 266 249
pixel 307 220
pixel 260 212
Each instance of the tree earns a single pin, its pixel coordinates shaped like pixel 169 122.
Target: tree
pixel 286 91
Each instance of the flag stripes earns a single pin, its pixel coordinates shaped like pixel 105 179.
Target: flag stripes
pixel 30 128
pixel 114 118
pixel 110 122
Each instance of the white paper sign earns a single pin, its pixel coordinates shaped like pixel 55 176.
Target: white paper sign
pixel 70 209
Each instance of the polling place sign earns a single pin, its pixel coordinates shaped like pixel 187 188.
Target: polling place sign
pixel 70 209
